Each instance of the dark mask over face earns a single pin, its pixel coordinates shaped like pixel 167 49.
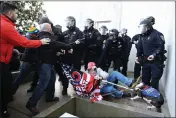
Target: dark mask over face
pixel 70 24
pixel 113 34
pixel 88 24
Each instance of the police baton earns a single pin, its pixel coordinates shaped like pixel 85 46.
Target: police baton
pixel 118 85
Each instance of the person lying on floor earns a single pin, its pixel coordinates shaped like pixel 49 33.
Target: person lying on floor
pixel 114 77
pixel 149 94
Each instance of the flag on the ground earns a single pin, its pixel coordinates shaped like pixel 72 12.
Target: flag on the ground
pixel 153 95
pixel 150 92
pixel 84 84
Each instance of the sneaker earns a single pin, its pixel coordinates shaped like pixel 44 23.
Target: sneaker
pixel 53 100
pixel 33 110
pixel 5 114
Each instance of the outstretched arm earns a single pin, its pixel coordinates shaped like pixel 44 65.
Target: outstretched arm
pixel 59 45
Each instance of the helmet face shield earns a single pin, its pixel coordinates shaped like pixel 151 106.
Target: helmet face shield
pixel 142 29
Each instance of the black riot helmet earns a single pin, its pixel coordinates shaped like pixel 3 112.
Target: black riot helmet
pixel 113 33
pixel 89 23
pixel 70 22
pixel 151 19
pixel 144 26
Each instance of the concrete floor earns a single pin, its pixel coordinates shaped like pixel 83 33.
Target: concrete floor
pixel 17 107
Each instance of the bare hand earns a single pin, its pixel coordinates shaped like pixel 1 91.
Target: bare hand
pixel 77 42
pixel 63 52
pixel 98 77
pixel 70 51
pixel 135 42
pixel 150 58
pixel 137 60
pixel 45 41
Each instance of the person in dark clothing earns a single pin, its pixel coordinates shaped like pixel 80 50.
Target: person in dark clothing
pixel 127 50
pixel 8 39
pixel 30 62
pixel 104 36
pixel 113 50
pixel 137 66
pixel 93 43
pixel 57 36
pixel 59 28
pixel 57 66
pixel 151 50
pixel 47 74
pixel 75 38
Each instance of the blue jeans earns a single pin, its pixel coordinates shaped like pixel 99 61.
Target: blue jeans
pixel 47 78
pixel 113 78
pixel 25 70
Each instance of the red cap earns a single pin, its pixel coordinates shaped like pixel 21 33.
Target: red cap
pixel 91 65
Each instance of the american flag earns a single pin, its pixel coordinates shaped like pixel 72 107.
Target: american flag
pixel 84 84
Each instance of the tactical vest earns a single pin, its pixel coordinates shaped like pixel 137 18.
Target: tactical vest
pixel 115 47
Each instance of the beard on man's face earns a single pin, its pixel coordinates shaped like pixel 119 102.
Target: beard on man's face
pixel 14 16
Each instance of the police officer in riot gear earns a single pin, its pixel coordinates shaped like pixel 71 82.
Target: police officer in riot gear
pixel 151 19
pixel 113 50
pixel 135 39
pixel 75 38
pixel 151 52
pixel 93 43
pixel 127 49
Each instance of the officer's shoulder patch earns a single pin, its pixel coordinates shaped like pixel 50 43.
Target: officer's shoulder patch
pixel 162 37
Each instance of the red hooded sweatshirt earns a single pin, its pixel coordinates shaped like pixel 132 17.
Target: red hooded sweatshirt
pixel 9 37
